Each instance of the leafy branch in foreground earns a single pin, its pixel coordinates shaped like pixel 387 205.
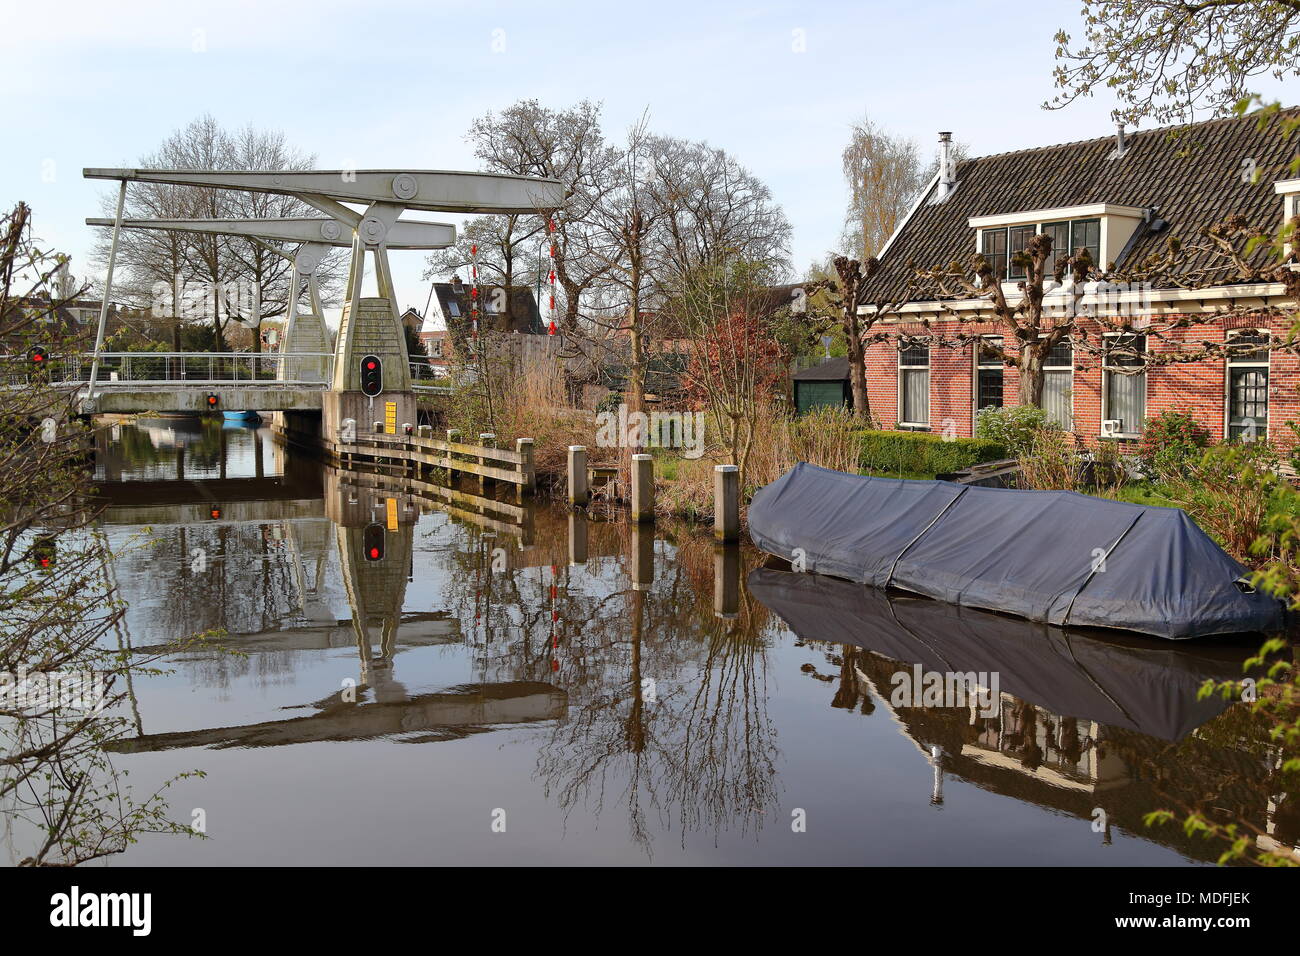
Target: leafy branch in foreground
pixel 65 674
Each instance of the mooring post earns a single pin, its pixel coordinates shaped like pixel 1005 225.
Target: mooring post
pixel 577 538
pixel 643 488
pixel 726 502
pixel 643 557
pixel 578 493
pixel 425 431
pixel 527 473
pixel 726 580
pixel 453 438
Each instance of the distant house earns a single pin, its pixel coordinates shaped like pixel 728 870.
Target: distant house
pixel 451 304
pixel 74 318
pixel 413 320
pixel 823 384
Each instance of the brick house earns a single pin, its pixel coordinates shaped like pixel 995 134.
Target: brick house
pixel 1123 198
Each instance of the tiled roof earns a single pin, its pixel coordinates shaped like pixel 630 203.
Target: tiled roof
pixel 523 306
pixel 831 370
pixel 1192 174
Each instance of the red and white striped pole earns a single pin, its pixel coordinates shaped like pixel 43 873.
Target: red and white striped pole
pixel 473 289
pixel 552 328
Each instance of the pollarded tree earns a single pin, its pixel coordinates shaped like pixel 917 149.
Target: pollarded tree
pixel 528 139
pixel 1083 303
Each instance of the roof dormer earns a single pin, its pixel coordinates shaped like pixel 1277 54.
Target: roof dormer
pixel 1104 229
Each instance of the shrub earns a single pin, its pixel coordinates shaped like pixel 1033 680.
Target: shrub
pixel 1014 428
pixel 1171 442
pixel 1234 493
pixel 1052 462
pixel 1109 470
pixel 924 453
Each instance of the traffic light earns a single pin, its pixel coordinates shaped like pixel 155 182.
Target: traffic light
pixel 372 375
pixel 372 542
pixel 44 551
pixel 213 400
pixel 38 357
pixel 215 513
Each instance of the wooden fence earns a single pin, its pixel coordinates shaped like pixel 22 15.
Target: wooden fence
pixel 487 462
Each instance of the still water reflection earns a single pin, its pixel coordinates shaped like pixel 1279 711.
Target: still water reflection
pixel 611 694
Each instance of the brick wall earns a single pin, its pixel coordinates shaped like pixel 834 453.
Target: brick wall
pixel 1199 387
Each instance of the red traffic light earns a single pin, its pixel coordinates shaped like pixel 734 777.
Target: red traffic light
pixel 44 551
pixel 215 512
pixel 38 356
pixel 213 400
pixel 372 375
pixel 373 539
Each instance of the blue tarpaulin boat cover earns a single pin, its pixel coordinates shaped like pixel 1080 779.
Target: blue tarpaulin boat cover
pixel 1052 556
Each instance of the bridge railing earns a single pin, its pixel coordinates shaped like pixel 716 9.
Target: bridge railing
pixel 156 368
pixel 429 378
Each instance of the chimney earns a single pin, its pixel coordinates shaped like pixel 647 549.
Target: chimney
pixel 1121 144
pixel 946 182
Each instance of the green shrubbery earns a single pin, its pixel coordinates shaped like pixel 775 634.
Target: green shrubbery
pixel 922 453
pixel 1171 442
pixel 1014 427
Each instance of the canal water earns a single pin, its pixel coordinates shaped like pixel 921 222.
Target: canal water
pixel 527 686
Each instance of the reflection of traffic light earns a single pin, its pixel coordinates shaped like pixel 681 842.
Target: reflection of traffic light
pixel 213 400
pixel 38 357
pixel 372 375
pixel 44 551
pixel 372 542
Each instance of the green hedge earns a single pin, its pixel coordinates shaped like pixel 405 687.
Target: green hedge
pixel 923 453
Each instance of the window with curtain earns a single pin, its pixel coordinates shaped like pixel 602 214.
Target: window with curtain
pixel 988 372
pixel 1058 384
pixel 1248 387
pixel 914 385
pixel 1124 390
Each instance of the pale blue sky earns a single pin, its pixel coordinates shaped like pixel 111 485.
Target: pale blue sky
pixel 393 85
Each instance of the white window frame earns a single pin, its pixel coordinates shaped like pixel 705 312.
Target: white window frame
pixel 1105 390
pixel 1037 228
pixel 1065 368
pixel 975 376
pixel 928 383
pixel 1229 363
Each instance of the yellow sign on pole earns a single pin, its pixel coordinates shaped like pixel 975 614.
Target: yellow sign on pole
pixel 390 418
pixel 392 514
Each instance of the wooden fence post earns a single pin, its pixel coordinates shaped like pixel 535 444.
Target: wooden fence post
pixel 527 472
pixel 726 502
pixel 578 493
pixel 643 488
pixel 485 440
pixel 453 438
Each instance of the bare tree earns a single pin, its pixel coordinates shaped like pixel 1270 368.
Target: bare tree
pixel 884 175
pixel 528 139
pixel 155 265
pixel 253 261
